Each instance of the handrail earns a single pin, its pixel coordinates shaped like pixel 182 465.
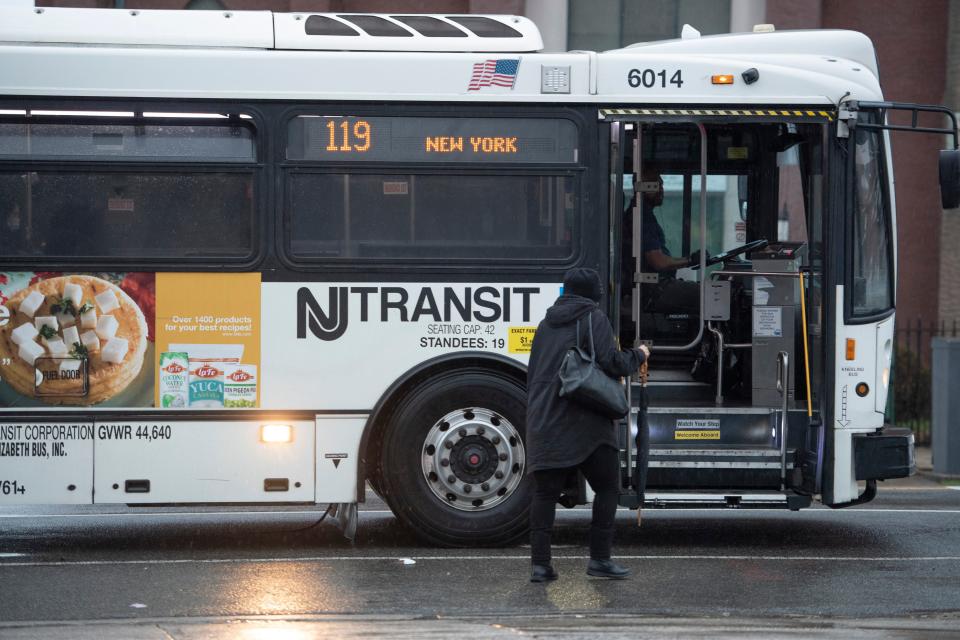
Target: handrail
pixel 718 399
pixel 783 386
pixel 703 247
pixel 915 109
pixel 629 427
pixel 806 344
pixel 774 274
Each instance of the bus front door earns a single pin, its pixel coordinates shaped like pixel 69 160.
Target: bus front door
pixel 717 276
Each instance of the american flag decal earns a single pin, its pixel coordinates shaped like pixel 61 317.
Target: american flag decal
pixel 494 73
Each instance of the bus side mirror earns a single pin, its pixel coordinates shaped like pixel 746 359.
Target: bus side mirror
pixel 950 178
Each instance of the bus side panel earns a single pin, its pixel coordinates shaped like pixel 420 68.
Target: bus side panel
pixel 142 462
pixel 338 345
pixel 46 463
pixel 338 452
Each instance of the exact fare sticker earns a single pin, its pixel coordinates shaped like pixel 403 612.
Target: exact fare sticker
pixel 691 429
pixel 520 339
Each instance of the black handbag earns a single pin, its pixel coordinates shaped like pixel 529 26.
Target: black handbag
pixel 583 381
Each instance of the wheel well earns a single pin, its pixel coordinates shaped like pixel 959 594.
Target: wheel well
pixel 372 440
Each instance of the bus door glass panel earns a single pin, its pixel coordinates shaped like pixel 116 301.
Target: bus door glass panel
pixel 872 247
pixel 799 221
pixel 667 305
pixel 724 222
pixel 871 295
pixel 791 208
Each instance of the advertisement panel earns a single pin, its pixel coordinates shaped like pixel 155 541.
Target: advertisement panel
pixel 209 341
pixel 131 340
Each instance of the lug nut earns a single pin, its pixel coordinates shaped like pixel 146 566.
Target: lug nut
pixel 498 475
pixel 481 431
pixel 495 440
pixel 451 479
pixel 445 462
pixel 503 456
pixel 485 486
pixel 462 433
pixel 467 488
pixel 448 444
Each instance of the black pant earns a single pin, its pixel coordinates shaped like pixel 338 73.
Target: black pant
pixel 602 471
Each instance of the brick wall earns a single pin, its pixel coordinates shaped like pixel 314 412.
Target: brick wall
pixel 911 41
pixel 949 299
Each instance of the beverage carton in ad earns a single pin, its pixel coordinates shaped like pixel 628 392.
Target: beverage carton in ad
pixel 174 380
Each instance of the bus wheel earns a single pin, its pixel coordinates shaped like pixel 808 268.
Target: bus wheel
pixel 453 460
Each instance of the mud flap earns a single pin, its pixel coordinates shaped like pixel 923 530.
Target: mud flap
pixel 345 517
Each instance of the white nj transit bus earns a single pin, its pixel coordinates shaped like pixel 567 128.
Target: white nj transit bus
pixel 265 258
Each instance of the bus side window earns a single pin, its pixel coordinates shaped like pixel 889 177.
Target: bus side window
pixel 151 190
pixel 441 216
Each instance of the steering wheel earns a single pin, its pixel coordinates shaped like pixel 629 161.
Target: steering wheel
pixel 736 251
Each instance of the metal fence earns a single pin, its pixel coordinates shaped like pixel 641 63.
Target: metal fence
pixel 909 404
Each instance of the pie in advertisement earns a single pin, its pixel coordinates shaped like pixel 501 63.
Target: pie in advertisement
pixel 76 339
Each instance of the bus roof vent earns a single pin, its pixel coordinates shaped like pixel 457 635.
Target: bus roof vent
pixel 398 32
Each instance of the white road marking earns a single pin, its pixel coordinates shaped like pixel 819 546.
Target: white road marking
pixel 560 511
pixel 485 558
pixel 157 514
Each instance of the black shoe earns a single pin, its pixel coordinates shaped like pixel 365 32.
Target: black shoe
pixel 542 573
pixel 607 569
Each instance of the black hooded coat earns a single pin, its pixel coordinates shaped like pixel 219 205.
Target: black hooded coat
pixel 560 432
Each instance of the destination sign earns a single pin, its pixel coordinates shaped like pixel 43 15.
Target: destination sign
pixel 479 140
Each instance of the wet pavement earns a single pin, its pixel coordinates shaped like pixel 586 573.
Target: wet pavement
pixel 890 568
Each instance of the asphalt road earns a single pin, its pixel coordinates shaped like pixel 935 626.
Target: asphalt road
pixel 895 559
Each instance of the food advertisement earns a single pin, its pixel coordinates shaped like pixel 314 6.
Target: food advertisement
pixel 208 340
pixel 76 339
pixel 135 340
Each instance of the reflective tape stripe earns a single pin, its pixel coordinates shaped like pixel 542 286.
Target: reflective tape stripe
pixel 764 113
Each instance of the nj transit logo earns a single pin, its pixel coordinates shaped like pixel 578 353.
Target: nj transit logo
pixel 415 304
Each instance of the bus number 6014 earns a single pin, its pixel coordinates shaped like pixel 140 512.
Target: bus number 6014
pixel 650 78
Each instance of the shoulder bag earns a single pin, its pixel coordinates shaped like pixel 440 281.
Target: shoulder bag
pixel 583 381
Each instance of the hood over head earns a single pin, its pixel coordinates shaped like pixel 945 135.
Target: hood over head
pixel 568 309
pixel 583 282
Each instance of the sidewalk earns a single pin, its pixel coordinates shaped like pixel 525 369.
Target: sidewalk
pixel 924 478
pixel 569 627
pixel 924 458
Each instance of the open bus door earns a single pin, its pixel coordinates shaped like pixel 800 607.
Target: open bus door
pixel 733 382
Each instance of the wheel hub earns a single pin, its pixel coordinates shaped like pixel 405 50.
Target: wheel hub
pixel 473 459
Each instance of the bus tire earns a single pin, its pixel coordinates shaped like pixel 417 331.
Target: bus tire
pixel 453 460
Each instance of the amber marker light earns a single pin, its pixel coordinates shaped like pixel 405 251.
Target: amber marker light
pixel 851 349
pixel 276 433
pixel 722 79
pixel 862 389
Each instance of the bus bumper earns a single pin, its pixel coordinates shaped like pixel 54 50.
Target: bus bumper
pixel 888 453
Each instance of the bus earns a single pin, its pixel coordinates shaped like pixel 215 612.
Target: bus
pixel 276 258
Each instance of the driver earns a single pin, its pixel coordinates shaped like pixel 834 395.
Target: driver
pixel 671 295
